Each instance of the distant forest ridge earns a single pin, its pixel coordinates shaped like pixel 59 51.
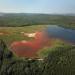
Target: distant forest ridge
pixel 27 19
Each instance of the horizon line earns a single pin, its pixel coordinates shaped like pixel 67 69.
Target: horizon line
pixel 34 13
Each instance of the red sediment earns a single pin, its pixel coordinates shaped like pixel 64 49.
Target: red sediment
pixel 30 48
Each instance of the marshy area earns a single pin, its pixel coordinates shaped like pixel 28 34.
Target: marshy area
pixel 23 45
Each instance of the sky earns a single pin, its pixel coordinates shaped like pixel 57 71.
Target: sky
pixel 37 6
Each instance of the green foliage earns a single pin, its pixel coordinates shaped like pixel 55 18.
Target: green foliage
pixel 18 20
pixel 60 61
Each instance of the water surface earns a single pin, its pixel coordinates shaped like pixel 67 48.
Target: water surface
pixel 61 33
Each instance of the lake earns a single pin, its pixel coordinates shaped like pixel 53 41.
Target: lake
pixel 61 33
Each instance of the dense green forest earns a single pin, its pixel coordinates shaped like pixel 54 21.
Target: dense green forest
pixel 25 19
pixel 60 61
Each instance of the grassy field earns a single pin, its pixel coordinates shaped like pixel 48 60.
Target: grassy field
pixel 14 33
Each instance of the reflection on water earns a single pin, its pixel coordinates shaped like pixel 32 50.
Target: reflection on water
pixel 61 33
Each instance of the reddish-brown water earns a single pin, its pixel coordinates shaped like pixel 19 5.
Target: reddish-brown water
pixel 30 48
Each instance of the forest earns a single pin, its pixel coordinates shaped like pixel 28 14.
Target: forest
pixel 27 19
